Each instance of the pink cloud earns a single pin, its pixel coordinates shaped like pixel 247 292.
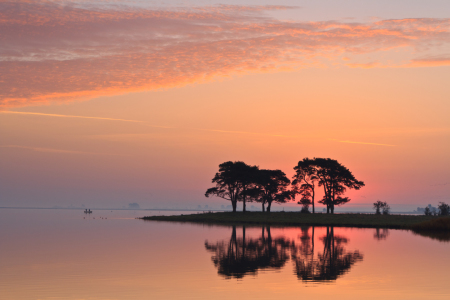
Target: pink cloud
pixel 59 53
pixel 430 62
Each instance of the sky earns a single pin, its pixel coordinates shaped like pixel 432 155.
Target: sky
pixel 106 103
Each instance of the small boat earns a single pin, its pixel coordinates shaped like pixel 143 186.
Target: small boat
pixel 86 211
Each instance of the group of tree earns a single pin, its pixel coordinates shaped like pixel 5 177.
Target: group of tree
pixel 237 181
pixel 381 206
pixel 443 210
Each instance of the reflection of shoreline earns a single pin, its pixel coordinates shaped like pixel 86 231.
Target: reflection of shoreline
pixel 291 219
pixel 441 236
pixel 241 256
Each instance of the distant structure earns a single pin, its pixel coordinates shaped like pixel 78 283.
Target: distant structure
pixel 133 206
pixel 432 209
pixel 88 211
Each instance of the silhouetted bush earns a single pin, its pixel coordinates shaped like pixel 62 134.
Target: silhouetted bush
pixel 305 209
pixel 380 205
pixel 444 209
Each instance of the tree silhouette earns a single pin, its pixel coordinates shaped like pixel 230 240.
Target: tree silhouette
pixel 305 181
pixel 245 176
pixel 378 206
pixel 242 256
pixel 444 209
pixel 329 265
pixel 270 186
pixel 335 179
pixel 232 182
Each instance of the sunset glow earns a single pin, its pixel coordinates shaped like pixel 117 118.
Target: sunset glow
pixel 103 103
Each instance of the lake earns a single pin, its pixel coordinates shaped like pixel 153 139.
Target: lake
pixel 66 254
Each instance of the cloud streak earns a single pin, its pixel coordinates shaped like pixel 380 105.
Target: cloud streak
pixel 365 143
pixel 66 116
pixel 60 52
pixel 60 151
pixel 142 123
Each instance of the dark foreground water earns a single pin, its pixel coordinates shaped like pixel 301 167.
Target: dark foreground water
pixel 64 254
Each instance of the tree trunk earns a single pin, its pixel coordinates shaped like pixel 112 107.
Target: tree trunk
pixel 313 194
pixel 328 209
pixel 332 208
pixel 233 203
pixel 263 208
pixel 243 206
pixel 243 241
pixel 268 206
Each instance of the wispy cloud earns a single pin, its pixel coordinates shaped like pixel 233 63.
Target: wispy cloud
pixel 369 65
pixel 66 116
pixel 144 123
pixel 59 52
pixel 52 150
pixel 431 62
pixel 247 132
pixel 364 143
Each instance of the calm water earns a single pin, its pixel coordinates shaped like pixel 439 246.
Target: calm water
pixel 63 254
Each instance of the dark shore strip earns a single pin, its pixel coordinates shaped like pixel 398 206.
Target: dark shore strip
pixel 300 219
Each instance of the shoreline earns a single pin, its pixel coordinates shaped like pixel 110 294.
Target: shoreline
pixel 299 219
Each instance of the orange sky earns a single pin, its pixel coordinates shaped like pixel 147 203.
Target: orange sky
pixel 106 105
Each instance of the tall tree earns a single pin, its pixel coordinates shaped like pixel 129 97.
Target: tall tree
pixel 245 177
pixel 270 186
pixel 305 180
pixel 232 182
pixel 335 179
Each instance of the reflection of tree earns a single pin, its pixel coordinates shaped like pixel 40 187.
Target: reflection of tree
pixel 333 262
pixel 381 234
pixel 241 256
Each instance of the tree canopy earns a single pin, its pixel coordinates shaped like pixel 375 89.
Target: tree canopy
pixel 237 181
pixel 305 180
pixel 335 179
pixel 232 182
pixel 270 186
pixel 327 173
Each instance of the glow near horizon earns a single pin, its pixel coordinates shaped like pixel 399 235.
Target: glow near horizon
pixel 241 71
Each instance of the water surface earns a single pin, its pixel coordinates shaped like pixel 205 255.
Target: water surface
pixel 64 254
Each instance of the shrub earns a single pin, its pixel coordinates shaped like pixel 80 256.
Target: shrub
pixel 380 205
pixel 386 209
pixel 305 209
pixel 444 209
pixel 305 202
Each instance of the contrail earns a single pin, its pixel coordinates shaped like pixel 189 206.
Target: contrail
pixel 146 124
pixel 364 143
pixel 67 116
pixel 246 132
pixel 52 150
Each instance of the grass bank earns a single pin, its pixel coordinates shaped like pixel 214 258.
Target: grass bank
pixel 298 219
